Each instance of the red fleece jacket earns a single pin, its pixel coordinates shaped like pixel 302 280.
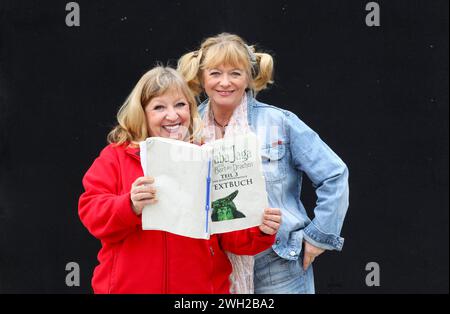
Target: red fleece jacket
pixel 133 260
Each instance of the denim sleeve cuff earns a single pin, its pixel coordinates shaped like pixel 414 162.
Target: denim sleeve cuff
pixel 322 240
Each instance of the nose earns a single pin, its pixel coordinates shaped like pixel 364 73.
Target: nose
pixel 225 81
pixel 171 115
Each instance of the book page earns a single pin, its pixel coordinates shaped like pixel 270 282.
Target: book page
pixel 180 171
pixel 238 191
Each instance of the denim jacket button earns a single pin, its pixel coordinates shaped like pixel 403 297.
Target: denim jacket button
pixel 292 253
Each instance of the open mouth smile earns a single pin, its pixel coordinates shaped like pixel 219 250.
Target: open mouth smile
pixel 225 92
pixel 172 128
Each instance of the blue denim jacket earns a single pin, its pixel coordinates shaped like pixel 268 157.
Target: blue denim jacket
pixel 289 148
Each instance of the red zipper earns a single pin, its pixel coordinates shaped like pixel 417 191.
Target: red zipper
pixel 166 265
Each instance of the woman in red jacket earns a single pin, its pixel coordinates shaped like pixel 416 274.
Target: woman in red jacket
pixel 136 261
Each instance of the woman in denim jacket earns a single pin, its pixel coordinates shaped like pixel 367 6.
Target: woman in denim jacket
pixel 230 72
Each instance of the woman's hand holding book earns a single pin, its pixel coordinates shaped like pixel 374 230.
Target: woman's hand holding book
pixel 271 221
pixel 142 193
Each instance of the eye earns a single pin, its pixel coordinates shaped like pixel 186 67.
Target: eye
pixel 214 73
pixel 180 104
pixel 236 73
pixel 159 108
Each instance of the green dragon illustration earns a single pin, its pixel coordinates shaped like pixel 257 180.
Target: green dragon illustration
pixel 225 209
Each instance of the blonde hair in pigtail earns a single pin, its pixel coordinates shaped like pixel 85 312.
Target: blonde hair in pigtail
pixel 264 73
pixel 189 66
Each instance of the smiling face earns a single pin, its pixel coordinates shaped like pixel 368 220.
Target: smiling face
pixel 168 115
pixel 225 85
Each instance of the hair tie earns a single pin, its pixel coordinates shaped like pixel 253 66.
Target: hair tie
pixel 251 54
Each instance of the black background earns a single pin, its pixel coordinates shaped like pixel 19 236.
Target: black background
pixel 377 95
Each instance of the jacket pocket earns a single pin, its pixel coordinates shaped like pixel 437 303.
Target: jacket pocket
pixel 274 163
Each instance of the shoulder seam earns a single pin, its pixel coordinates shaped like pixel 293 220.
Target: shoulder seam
pixel 267 106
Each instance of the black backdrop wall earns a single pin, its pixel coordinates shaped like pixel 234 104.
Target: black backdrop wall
pixel 377 95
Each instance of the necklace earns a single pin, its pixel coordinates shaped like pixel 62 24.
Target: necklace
pixel 222 126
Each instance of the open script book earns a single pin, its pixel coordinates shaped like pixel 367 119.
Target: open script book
pixel 202 190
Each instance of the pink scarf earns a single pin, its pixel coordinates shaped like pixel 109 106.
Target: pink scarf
pixel 238 123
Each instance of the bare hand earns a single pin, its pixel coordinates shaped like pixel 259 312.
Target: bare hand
pixel 142 193
pixel 271 221
pixel 311 252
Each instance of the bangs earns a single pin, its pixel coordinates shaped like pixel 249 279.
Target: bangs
pixel 227 54
pixel 179 86
pixel 172 88
pixel 165 83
